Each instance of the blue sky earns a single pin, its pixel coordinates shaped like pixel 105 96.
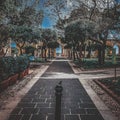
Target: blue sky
pixel 46 23
pixel 117 1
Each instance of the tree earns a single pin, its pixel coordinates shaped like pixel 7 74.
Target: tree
pixel 48 35
pixel 4 38
pixel 106 23
pixel 24 35
pixel 20 15
pixel 51 46
pixel 76 34
pixel 7 7
pixel 29 50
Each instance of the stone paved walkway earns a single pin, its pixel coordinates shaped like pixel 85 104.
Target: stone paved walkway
pixel 39 102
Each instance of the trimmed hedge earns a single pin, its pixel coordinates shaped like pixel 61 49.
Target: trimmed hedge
pixel 10 66
pixel 93 64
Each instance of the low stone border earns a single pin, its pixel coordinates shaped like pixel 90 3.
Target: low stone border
pixel 111 103
pixel 108 91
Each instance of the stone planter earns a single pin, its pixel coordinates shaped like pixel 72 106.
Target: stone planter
pixel 4 84
pixel 27 71
pixel 21 75
pixel 13 79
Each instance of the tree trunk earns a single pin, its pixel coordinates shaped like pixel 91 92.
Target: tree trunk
pixel 84 51
pixel 49 56
pixel 42 52
pixel 74 57
pixel 99 55
pixel 89 53
pixel 21 51
pixel 89 50
pixel 104 46
pixel 71 54
pixel 45 55
pixel 80 51
pixel 6 52
pixel 20 47
pixel 103 52
pixel 77 55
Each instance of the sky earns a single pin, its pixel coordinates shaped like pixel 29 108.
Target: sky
pixel 118 1
pixel 47 22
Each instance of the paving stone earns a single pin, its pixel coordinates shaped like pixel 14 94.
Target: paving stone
pixel 39 100
pixel 63 67
pixel 38 117
pixel 16 111
pixel 78 111
pixel 15 117
pixel 52 104
pixel 25 104
pixel 52 117
pixel 29 97
pixel 27 111
pixel 91 117
pixel 47 110
pixel 92 111
pixel 51 100
pixel 87 105
pixel 26 117
pixel 65 111
pixel 28 100
pixel 71 106
pixel 42 105
pixel 72 117
pixel 85 100
pixel 45 96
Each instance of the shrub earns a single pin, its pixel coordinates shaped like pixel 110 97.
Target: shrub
pixel 23 62
pixel 6 67
pixel 10 66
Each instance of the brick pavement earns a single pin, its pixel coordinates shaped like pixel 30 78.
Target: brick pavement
pixel 39 102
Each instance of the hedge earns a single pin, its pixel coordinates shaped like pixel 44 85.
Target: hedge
pixel 10 66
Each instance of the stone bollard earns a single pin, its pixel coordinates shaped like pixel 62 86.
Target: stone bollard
pixel 58 94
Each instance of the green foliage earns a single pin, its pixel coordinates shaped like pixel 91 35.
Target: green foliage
pixel 53 44
pixel 10 65
pixel 29 50
pixel 4 35
pixel 30 16
pixel 93 64
pixel 7 7
pixel 20 33
pixel 23 62
pixel 48 35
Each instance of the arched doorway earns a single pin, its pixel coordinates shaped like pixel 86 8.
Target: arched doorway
pixel 59 51
pixel 116 47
